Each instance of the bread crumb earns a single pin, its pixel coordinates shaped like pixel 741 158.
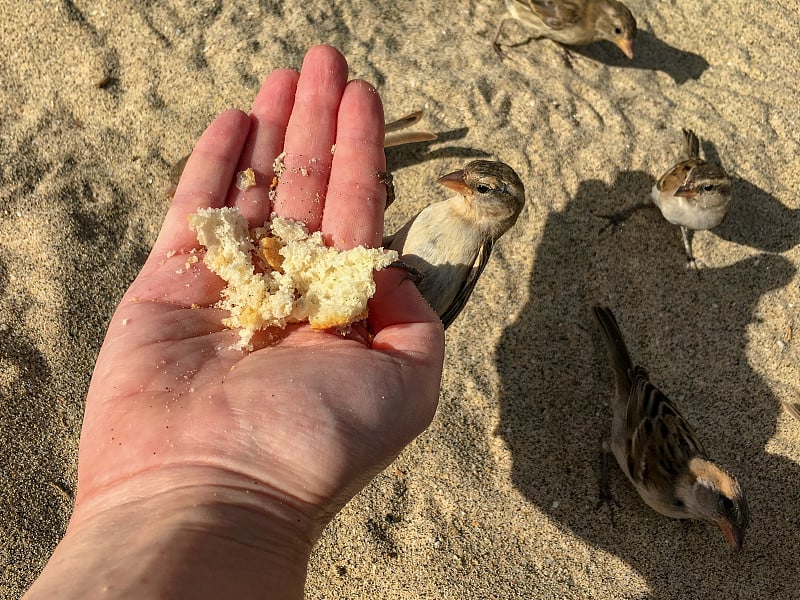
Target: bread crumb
pixel 277 165
pixel 269 252
pixel 302 279
pixel 245 179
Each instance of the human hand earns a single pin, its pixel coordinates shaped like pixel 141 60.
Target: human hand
pixel 284 435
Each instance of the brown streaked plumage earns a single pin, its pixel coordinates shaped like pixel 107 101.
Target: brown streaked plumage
pixel 694 193
pixel 574 22
pixel 659 452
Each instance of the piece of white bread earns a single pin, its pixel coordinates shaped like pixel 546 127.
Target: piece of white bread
pixel 308 281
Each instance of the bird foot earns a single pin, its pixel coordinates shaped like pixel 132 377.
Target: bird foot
pixel 412 272
pixel 386 179
pixel 692 264
pixel 604 495
pixel 617 220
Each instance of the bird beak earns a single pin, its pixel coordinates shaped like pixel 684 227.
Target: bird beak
pixel 454 181
pixel 685 191
pixel 732 533
pixel 625 45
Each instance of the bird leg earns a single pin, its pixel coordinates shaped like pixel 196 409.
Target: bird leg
pixel 691 263
pixel 495 45
pixel 565 54
pixel 604 495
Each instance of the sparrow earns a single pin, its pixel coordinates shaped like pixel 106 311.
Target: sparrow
pixel 573 22
pixel 447 244
pixel 391 138
pixel 694 193
pixel 659 452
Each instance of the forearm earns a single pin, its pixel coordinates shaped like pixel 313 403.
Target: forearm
pixel 187 543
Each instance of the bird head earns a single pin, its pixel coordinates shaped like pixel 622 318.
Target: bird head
pixel 616 24
pixel 493 191
pixel 713 495
pixel 708 182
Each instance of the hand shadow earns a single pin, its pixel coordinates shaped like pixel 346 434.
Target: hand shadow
pixel 649 53
pixel 691 333
pixel 37 499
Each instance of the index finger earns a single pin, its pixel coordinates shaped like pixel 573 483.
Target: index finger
pixel 205 180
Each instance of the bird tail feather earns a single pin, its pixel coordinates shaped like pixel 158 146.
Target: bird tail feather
pixel 691 144
pixel 617 350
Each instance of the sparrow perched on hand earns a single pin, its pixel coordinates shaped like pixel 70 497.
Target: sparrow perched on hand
pixel 574 22
pixel 661 455
pixel 447 245
pixel 694 193
pixel 390 138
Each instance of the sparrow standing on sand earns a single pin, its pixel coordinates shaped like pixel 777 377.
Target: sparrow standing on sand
pixel 661 455
pixel 447 245
pixel 573 22
pixel 694 194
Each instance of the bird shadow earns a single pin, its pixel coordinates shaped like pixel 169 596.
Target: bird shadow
pixel 692 334
pixel 757 218
pixel 651 54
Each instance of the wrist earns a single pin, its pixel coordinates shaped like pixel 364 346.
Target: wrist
pixel 141 538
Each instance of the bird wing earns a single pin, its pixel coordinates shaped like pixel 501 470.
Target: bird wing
pixel 659 441
pixel 556 14
pixel 677 175
pixel 465 291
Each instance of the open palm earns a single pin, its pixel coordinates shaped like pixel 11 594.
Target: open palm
pixel 306 417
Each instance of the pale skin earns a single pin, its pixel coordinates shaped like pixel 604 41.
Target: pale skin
pixel 206 472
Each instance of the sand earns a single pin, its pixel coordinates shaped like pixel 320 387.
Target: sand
pixel 497 499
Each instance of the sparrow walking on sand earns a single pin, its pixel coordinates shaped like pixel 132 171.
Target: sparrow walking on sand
pixel 659 452
pixel 573 22
pixel 693 193
pixel 448 244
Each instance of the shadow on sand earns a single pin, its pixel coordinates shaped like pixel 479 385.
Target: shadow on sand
pixel 692 334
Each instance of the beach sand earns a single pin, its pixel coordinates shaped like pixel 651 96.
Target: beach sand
pixel 498 498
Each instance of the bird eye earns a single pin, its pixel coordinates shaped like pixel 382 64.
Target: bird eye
pixel 483 188
pixel 708 187
pixel 726 504
pixel 617 31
